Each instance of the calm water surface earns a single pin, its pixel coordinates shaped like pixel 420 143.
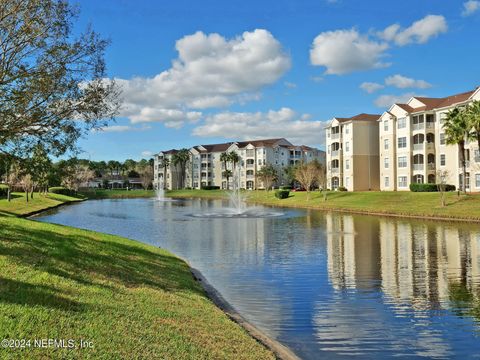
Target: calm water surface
pixel 326 285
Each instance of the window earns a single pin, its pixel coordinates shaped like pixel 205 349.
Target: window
pixel 477 180
pixel 385 125
pixel 442 159
pixel 443 116
pixel 347 182
pixel 347 129
pixel 328 134
pixel 387 181
pixel 402 123
pixel 402 161
pixel 386 143
pixel 402 181
pixel 386 163
pixel 402 142
pixel 347 164
pixel 347 146
pixel 442 138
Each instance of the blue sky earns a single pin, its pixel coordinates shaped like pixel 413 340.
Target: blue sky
pixel 247 69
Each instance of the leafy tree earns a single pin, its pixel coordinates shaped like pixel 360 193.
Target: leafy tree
pixel 40 167
pixel 74 175
pixel 129 164
pixel 307 174
pixel 146 177
pixel 52 84
pixel 267 175
pixel 457 129
pixel 181 159
pixel 290 174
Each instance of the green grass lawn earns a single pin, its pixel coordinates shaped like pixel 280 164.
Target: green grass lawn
pixel 116 194
pixel 19 207
pixel 375 202
pixel 130 300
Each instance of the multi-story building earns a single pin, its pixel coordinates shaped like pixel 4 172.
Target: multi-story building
pixel 352 153
pixel 165 172
pixel 413 144
pixel 206 169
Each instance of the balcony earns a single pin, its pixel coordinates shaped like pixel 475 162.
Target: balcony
pixel 430 125
pixel 477 158
pixel 335 170
pixel 431 166
pixel 418 147
pixel 418 167
pixel 336 153
pixel 336 136
pixel 419 126
pixel 250 166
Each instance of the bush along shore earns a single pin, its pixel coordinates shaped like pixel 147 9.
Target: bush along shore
pixel 118 297
pixel 407 204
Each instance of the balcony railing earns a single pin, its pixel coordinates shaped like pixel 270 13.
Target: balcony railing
pixel 431 166
pixel 419 126
pixel 335 153
pixel 418 146
pixel 335 170
pixel 336 136
pixel 430 125
pixel 418 167
pixel 477 158
pixel 250 165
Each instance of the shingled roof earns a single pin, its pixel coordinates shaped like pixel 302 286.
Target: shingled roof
pixel 360 117
pixel 437 103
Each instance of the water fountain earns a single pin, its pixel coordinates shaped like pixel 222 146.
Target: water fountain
pixel 237 207
pixel 160 192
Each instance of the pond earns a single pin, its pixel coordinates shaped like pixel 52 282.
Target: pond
pixel 327 285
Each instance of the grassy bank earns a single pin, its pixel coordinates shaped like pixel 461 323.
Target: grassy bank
pixel 388 203
pixel 128 299
pixel 18 206
pixel 116 194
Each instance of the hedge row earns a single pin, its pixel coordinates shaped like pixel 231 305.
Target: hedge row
pixel 61 190
pixel 414 187
pixel 210 187
pixel 282 194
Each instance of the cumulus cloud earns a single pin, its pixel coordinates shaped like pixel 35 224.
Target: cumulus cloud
pixel 385 101
pixel 403 82
pixel 470 7
pixel 121 128
pixel 147 153
pixel 299 129
pixel 419 32
pixel 290 85
pixel 210 71
pixel 346 51
pixel 371 87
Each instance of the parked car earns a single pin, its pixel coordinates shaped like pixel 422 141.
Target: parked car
pixel 299 189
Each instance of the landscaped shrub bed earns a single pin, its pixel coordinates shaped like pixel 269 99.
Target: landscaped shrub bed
pixel 62 191
pixel 342 188
pixel 210 187
pixel 414 187
pixel 282 194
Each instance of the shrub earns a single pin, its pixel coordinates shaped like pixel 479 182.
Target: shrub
pixel 210 187
pixel 414 187
pixel 342 188
pixel 285 188
pixel 282 194
pixel 3 191
pixel 61 190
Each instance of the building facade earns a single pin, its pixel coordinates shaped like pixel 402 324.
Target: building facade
pixel 413 144
pixel 206 168
pixel 353 153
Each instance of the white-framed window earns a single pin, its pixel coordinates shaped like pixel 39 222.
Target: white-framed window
pixel 387 181
pixel 477 180
pixel 402 142
pixel 347 182
pixel 347 129
pixel 402 181
pixel 386 144
pixel 443 116
pixel 402 123
pixel 385 125
pixel 347 146
pixel 328 133
pixel 442 160
pixel 442 138
pixel 386 163
pixel 347 164
pixel 402 161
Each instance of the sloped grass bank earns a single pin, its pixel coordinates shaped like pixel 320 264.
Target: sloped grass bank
pixel 18 206
pixel 128 299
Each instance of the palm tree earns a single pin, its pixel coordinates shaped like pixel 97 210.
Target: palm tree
pixel 225 158
pixel 164 163
pixel 181 158
pixel 473 118
pixel 234 159
pixel 456 131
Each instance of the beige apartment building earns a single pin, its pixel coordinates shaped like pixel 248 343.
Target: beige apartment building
pixel 206 169
pixel 353 153
pixel 413 146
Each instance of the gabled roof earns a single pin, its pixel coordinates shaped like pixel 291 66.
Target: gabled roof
pixel 263 142
pixel 169 152
pixel 359 117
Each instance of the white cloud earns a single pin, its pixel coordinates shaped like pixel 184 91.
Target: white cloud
pixel 385 101
pixel 403 82
pixel 290 85
pixel 147 153
pixel 419 32
pixel 285 122
pixel 371 87
pixel 346 51
pixel 470 7
pixel 122 128
pixel 317 79
pixel 210 71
